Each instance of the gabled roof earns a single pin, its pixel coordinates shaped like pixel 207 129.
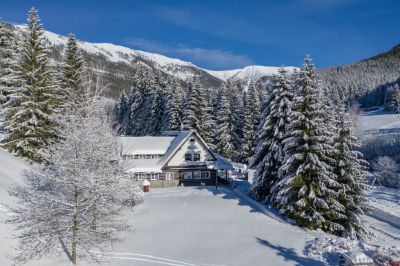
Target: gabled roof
pixel 168 145
pixel 180 140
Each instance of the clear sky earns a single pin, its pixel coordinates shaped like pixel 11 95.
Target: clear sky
pixel 227 34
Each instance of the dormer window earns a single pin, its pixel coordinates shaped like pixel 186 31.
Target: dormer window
pixel 188 157
pixel 196 157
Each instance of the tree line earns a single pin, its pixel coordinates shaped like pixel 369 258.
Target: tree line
pixel 227 118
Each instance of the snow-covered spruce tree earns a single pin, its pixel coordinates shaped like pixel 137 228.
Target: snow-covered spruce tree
pixel 139 101
pixel 351 171
pixel 175 105
pixel 307 186
pixel 30 125
pixel 155 120
pixel 121 113
pixel 75 201
pixel 392 98
pixel 269 154
pixel 9 71
pixel 235 95
pixel 251 120
pixel 227 140
pixel 73 74
pixel 210 121
pixel 194 112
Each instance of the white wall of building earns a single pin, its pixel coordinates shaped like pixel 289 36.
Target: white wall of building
pixel 190 147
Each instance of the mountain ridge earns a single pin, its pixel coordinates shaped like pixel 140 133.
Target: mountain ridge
pixel 120 53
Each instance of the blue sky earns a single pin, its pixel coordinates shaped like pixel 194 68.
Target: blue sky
pixel 228 34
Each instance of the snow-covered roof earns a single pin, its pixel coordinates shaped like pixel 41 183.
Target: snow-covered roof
pixel 167 144
pixel 143 165
pixel 221 163
pixel 144 145
pixel 179 137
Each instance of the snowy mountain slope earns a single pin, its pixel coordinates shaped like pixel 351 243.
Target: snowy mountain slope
pixel 248 72
pixel 117 53
pixel 170 66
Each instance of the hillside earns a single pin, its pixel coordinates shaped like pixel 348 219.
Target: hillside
pixel 364 77
pixel 119 63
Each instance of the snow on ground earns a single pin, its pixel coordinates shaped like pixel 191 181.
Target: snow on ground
pixel 379 119
pixel 384 219
pixel 199 226
pixel 11 170
pixel 206 226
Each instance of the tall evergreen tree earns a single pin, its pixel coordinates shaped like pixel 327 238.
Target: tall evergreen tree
pixel 351 173
pixel 194 113
pixel 392 98
pixel 227 140
pixel 252 117
pixel 31 126
pixel 307 189
pixel 210 122
pixel 157 98
pixel 269 154
pixel 122 114
pixel 175 104
pixel 9 76
pixel 73 74
pixel 139 101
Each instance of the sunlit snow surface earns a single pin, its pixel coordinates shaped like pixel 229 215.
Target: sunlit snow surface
pixel 379 120
pixel 206 226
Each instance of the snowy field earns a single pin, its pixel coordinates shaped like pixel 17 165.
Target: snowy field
pixel 379 119
pixel 202 226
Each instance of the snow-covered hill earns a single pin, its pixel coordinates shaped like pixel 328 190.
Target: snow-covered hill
pixel 171 66
pixel 248 72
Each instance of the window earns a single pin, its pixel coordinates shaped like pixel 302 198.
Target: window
pixel 197 175
pixel 187 175
pixel 136 156
pixel 142 176
pixel 205 175
pixel 169 175
pixel 188 157
pixel 155 176
pixel 192 140
pixel 196 157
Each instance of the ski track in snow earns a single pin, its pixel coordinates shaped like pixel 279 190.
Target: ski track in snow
pixel 154 259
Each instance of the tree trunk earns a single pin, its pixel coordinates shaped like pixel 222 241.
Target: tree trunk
pixel 94 220
pixel 75 226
